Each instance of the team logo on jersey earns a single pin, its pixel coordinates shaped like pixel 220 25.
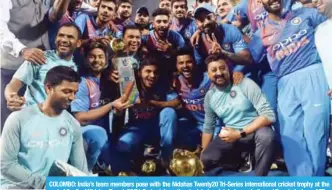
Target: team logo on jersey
pixel 202 91
pixel 135 66
pixel 187 35
pixel 227 46
pixel 233 94
pixel 63 131
pixel 296 21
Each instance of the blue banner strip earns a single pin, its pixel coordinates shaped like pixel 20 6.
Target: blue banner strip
pixel 189 183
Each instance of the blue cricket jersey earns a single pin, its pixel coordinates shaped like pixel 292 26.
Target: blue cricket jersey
pixel 150 41
pixel 144 112
pixel 290 43
pixel 229 37
pixel 89 97
pixel 186 30
pixel 89 28
pixel 193 98
pixel 254 11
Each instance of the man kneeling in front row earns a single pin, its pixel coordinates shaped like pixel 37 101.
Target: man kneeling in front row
pixel 36 136
pixel 247 117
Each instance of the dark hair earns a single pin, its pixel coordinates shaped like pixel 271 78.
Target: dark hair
pixel 57 74
pixel 93 45
pixel 124 1
pixel 84 70
pixel 185 51
pixel 160 11
pixel 71 24
pixel 106 86
pixel 113 1
pixel 173 1
pixel 149 60
pixel 129 27
pixel 215 57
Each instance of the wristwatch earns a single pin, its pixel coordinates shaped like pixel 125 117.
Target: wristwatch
pixel 243 133
pixel 22 51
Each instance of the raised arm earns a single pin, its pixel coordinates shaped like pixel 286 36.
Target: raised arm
pixel 58 9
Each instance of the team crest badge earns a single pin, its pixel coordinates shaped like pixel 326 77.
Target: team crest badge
pixel 135 66
pixel 63 131
pixel 233 94
pixel 227 46
pixel 187 35
pixel 296 21
pixel 202 91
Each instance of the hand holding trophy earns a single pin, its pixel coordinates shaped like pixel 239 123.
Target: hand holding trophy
pixel 123 71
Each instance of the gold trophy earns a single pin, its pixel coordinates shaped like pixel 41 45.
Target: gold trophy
pixel 186 163
pixel 149 167
pixel 127 174
pixel 117 45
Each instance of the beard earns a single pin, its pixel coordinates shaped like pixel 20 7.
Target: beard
pixel 273 11
pixel 142 26
pixel 209 28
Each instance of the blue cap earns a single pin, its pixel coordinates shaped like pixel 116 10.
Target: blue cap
pixel 204 7
pixel 143 10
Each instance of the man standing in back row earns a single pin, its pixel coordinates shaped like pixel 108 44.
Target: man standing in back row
pixel 24 35
pixel 303 104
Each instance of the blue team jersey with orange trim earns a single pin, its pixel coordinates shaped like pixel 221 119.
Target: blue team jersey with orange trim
pixel 145 112
pixel 193 98
pixel 229 37
pixel 90 30
pixel 89 97
pixel 186 30
pixel 254 11
pixel 150 41
pixel 290 43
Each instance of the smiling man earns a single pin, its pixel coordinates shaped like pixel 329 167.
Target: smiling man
pixel 163 42
pixel 151 120
pixel 247 117
pixel 36 136
pixel 180 22
pixel 224 7
pixel 224 39
pixel 32 75
pixel 132 41
pixel 97 27
pixel 191 86
pixel 92 105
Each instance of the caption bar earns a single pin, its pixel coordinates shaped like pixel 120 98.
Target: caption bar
pixel 188 183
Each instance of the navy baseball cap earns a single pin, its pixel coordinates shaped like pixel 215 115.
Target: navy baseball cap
pixel 143 10
pixel 204 7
